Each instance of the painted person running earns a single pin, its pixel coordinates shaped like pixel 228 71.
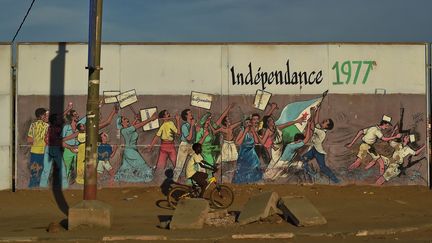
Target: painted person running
pixel 396 161
pixel 369 136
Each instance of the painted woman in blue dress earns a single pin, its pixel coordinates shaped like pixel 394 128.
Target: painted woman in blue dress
pixel 248 165
pixel 133 168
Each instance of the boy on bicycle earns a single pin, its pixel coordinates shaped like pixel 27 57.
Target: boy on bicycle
pixel 193 168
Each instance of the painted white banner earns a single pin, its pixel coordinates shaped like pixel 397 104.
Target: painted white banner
pixel 127 98
pixel 110 96
pixel 261 99
pixel 146 114
pixel 201 100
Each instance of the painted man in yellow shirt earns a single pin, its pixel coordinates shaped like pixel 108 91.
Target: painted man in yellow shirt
pixel 166 134
pixel 36 138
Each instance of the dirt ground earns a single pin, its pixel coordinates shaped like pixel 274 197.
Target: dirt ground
pixel 387 214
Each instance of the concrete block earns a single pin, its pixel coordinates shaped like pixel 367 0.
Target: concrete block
pixel 301 211
pixel 259 207
pixel 91 213
pixel 190 214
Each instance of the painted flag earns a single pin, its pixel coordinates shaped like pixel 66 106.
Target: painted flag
pixel 292 112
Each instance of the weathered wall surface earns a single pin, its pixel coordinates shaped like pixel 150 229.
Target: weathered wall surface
pixel 364 82
pixel 5 122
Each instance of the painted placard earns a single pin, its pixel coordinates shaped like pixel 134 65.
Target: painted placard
pixel 110 96
pixel 261 99
pixel 201 100
pixel 127 98
pixel 146 114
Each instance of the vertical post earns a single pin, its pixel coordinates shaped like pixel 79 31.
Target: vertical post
pixel 429 111
pixel 92 123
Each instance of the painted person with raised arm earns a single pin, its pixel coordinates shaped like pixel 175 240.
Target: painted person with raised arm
pixel 290 151
pixel 206 135
pixel 53 150
pixel 187 137
pixel 228 148
pixel 248 164
pixel 133 167
pixel 272 141
pixel 258 126
pixel 316 150
pixel 166 134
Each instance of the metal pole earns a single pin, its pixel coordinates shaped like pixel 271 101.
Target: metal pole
pixel 429 112
pixel 92 123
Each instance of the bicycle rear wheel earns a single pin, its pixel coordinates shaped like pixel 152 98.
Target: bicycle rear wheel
pixel 222 196
pixel 177 193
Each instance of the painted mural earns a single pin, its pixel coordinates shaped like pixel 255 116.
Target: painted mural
pixel 257 136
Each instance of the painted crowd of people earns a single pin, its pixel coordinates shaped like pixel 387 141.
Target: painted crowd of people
pixel 251 150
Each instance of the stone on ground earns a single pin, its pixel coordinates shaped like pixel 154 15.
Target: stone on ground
pixel 190 214
pixel 301 211
pixel 259 207
pixel 54 227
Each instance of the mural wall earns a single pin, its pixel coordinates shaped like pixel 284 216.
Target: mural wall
pixel 5 122
pixel 312 113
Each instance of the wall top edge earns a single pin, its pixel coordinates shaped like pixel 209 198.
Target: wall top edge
pixel 228 43
pixel 226 94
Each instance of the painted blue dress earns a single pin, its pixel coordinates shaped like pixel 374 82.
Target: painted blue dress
pixel 248 165
pixel 133 167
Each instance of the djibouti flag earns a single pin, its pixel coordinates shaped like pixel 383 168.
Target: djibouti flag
pixel 292 112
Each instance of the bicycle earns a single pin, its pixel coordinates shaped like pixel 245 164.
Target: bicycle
pixel 221 196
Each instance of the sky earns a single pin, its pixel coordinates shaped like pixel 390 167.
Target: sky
pixel 222 20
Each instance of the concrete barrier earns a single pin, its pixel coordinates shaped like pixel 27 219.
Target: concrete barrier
pixel 91 213
pixel 301 211
pixel 259 207
pixel 190 214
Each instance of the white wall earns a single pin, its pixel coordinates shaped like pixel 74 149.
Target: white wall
pixel 178 69
pixel 5 122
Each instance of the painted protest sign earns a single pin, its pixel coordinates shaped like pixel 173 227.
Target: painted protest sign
pixel 127 98
pixel 146 114
pixel 201 100
pixel 110 96
pixel 261 99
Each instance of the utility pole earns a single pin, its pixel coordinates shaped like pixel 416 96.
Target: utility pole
pixel 90 211
pixel 92 124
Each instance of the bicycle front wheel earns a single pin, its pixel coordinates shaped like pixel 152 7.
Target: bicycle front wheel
pixel 177 193
pixel 222 196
